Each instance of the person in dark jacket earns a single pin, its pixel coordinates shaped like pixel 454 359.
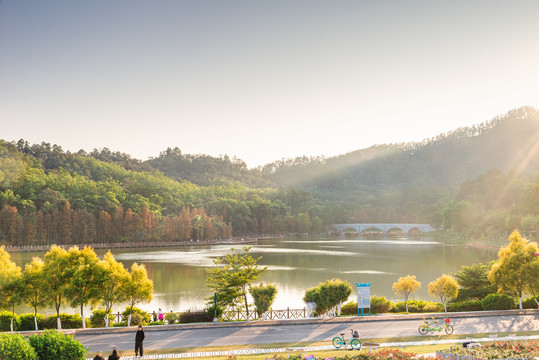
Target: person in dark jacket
pixel 139 338
pixel 98 356
pixel 115 355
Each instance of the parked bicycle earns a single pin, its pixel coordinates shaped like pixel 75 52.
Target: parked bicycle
pixel 432 327
pixel 354 342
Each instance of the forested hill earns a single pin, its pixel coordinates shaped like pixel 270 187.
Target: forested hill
pixel 508 142
pixel 51 195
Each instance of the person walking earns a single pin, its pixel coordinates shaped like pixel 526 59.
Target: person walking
pixel 98 356
pixel 160 315
pixel 139 338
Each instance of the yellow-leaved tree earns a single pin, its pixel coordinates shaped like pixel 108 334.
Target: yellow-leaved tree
pixel 516 268
pixel 405 287
pixel 445 287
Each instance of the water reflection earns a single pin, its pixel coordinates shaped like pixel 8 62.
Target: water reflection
pixel 295 265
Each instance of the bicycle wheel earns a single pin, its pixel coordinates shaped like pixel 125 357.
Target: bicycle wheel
pixel 423 329
pixel 355 344
pixel 337 342
pixel 449 329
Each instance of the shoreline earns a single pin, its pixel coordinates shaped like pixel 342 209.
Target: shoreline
pixel 141 245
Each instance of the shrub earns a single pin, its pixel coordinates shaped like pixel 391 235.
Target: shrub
pixel 5 321
pixel 379 304
pixel 431 306
pixel 15 347
pixel 195 316
pixel 468 305
pixel 98 318
pixel 529 303
pixel 350 308
pixel 69 321
pixel 160 322
pixel 211 312
pixel 52 345
pixel 497 302
pixel 27 322
pixel 138 316
pixel 418 306
pixel 172 317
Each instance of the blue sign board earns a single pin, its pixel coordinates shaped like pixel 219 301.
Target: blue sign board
pixel 363 297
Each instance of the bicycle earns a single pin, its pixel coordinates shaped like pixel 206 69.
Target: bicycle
pixel 426 327
pixel 339 341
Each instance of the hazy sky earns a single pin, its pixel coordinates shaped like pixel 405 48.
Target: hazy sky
pixel 260 80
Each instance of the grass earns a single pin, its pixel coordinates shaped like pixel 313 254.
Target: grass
pixel 418 349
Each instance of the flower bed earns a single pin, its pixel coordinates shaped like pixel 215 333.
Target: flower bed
pixel 493 350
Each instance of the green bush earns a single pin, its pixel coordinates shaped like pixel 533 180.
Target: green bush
pixel 529 303
pixel 27 322
pixel 468 305
pixel 15 347
pixel 210 312
pixel 379 305
pixel 350 308
pixel 497 302
pixel 69 321
pixel 195 316
pixel 54 345
pixel 172 317
pixel 5 321
pixel 138 316
pixel 418 306
pixel 160 322
pixel 98 318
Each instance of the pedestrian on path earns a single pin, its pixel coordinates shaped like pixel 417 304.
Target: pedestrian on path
pixel 139 338
pixel 98 356
pixel 160 315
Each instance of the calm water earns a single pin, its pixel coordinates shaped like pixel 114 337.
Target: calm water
pixel 295 265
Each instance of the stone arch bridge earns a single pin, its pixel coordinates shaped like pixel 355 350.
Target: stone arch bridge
pixel 385 228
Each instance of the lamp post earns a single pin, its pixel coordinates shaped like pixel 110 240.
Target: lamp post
pixel 215 307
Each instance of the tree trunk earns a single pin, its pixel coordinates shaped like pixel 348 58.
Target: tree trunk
pixel 12 316
pixel 129 317
pixel 58 321
pixel 82 316
pixel 35 318
pixel 406 304
pixel 246 305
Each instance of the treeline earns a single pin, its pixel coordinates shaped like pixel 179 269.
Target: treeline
pixel 67 226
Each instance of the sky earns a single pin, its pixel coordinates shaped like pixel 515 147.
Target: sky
pixel 260 80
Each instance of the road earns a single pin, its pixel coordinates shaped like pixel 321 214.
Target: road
pixel 297 331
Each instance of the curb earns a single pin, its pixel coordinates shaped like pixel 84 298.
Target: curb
pixel 338 320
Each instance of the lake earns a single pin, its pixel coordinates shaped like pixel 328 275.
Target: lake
pixel 297 264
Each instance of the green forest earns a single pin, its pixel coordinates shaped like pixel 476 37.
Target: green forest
pixel 474 184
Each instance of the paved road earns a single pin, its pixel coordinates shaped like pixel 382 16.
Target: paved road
pixel 299 331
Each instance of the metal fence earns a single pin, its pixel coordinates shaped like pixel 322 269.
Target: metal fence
pixel 241 315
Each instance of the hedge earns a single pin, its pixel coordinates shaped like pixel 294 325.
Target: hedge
pixel 5 321
pixel 69 321
pixel 27 322
pixel 497 302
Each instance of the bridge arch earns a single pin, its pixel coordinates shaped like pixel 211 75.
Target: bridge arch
pixel 384 227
